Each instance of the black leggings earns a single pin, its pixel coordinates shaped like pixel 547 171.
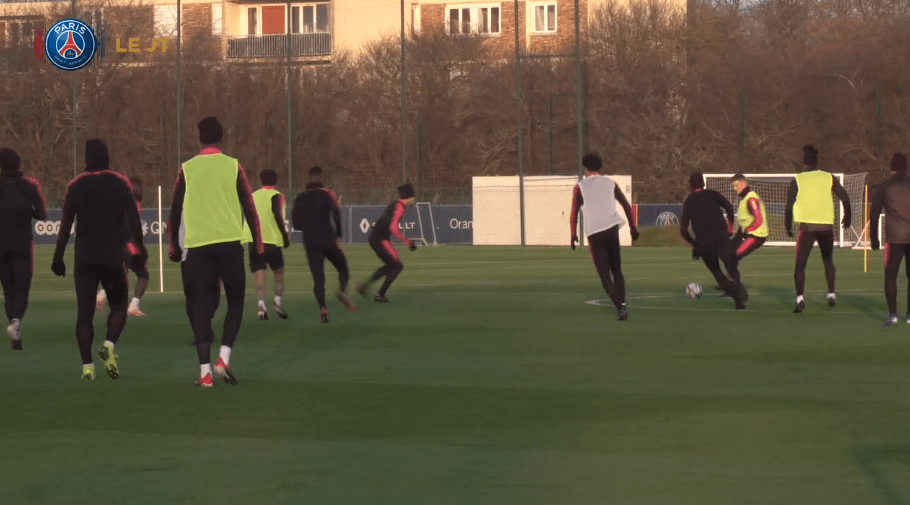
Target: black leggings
pixel 604 247
pixel 16 268
pixel 894 255
pixel 722 251
pixel 200 271
pixel 804 242
pixel 112 278
pixel 316 256
pixel 392 265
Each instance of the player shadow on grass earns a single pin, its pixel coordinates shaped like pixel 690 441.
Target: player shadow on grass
pixel 815 302
pixel 872 459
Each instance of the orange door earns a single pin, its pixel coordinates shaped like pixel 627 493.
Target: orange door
pixel 273 20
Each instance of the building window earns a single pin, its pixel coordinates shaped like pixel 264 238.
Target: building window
pixel 19 32
pixel 252 20
pixel 476 19
pixel 272 19
pixel 545 18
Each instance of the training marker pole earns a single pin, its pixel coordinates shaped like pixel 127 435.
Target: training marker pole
pixel 868 229
pixel 160 243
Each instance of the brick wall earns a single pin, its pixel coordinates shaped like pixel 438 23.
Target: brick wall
pixel 434 17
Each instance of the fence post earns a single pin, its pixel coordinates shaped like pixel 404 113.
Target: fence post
pixel 521 172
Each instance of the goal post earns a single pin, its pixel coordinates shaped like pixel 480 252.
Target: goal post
pixel 773 189
pixel 420 223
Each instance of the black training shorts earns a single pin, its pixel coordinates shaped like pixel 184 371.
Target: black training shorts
pixel 272 258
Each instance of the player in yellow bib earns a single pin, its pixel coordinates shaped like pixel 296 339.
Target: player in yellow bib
pixel 271 210
pixel 753 219
pixel 810 204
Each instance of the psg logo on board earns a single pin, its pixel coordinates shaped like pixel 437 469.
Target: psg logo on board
pixel 70 44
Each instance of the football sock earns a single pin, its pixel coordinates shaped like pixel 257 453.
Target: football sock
pixel 108 343
pixel 135 302
pixel 225 354
pixel 278 301
pixel 87 366
pixel 262 304
pixel 800 298
pixel 101 292
pixel 205 369
pixel 831 296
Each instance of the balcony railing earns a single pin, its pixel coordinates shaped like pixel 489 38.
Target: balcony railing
pixel 263 46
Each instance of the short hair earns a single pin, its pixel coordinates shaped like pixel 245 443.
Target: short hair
pixel 899 163
pixel 9 160
pixel 810 155
pixel 96 155
pixel 268 177
pixel 740 177
pixel 315 171
pixel 592 162
pixel 135 181
pixel 210 131
pixel 697 180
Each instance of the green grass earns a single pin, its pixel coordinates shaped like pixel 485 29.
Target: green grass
pixel 488 380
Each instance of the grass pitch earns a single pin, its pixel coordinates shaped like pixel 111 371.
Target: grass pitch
pixel 488 380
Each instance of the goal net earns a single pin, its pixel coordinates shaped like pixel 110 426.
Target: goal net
pixel 773 188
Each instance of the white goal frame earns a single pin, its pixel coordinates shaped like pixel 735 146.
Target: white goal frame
pixel 727 182
pixel 863 241
pixel 423 235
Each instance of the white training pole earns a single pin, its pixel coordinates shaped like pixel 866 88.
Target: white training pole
pixel 160 243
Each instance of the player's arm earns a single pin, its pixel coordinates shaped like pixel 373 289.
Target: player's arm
pixel 249 208
pixel 754 208
pixel 728 208
pixel 297 214
pixel 878 203
pixel 684 224
pixel 277 206
pixel 396 217
pixel 841 193
pixel 39 207
pixel 336 212
pixel 791 201
pixel 173 221
pixel 627 208
pixel 577 200
pixel 66 224
pixel 132 218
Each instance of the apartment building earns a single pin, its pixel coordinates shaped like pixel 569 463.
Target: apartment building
pixel 250 30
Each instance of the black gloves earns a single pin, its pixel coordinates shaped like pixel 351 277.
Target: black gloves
pixel 59 268
pixel 287 241
pixel 634 231
pixel 789 233
pixel 176 254
pixel 574 240
pixel 695 254
pixel 412 246
pixel 846 221
pixel 876 245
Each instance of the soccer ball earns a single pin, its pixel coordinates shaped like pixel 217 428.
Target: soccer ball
pixel 694 290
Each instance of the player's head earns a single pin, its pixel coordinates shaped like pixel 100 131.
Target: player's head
pixel 592 163
pixel 268 177
pixel 810 155
pixel 314 176
pixel 96 156
pixel 210 131
pixel 406 193
pixel 740 183
pixel 9 161
pixel 136 184
pixel 697 181
pixel 899 163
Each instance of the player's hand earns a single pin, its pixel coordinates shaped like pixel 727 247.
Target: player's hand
pixel 846 222
pixel 876 245
pixel 176 255
pixel 695 254
pixel 789 233
pixel 634 231
pixel 574 241
pixel 59 268
pixel 412 246
pixel 287 242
